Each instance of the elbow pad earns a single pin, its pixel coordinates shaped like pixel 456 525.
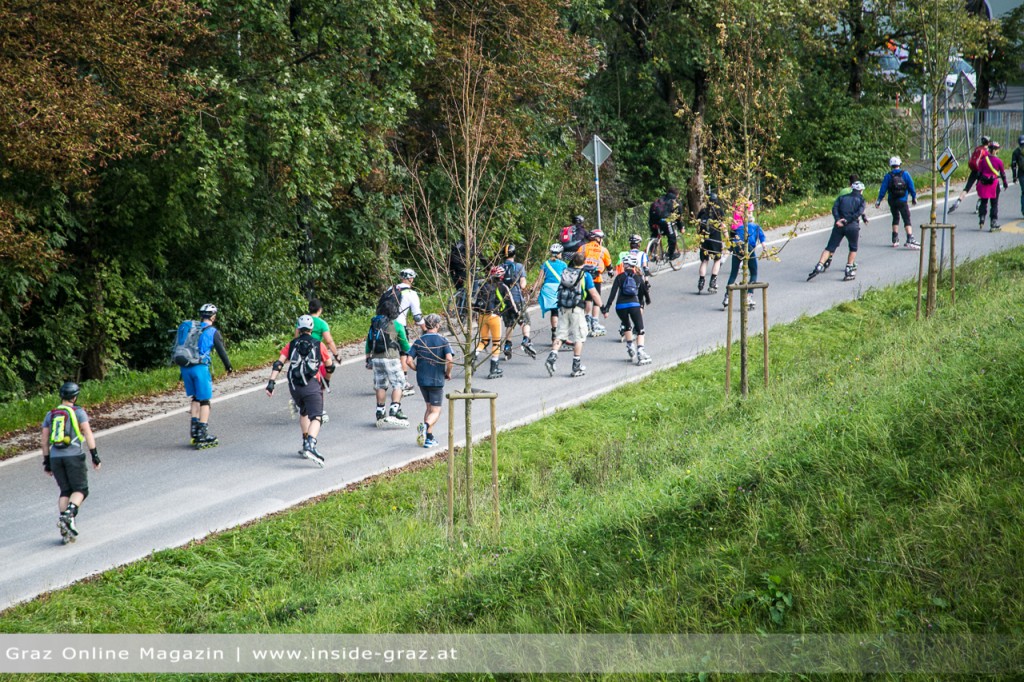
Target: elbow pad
pixel 278 365
pixel 330 368
pixel 417 318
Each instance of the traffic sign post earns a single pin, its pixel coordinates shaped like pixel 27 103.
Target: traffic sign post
pixel 597 152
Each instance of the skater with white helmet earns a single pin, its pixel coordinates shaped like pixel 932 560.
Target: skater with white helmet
pixel 633 294
pixel 899 186
pixel 847 212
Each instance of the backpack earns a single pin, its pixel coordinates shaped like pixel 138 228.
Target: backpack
pixel 390 303
pixel 570 288
pixel 659 210
pixel 185 352
pixel 303 360
pixel 512 274
pixel 60 436
pixel 378 337
pixel 975 161
pixel 630 288
pixel 897 185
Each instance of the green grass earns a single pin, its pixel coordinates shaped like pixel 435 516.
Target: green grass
pixel 877 486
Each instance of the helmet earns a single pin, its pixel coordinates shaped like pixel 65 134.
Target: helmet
pixel 596 234
pixel 510 250
pixel 578 220
pixel 207 310
pixel 68 390
pixel 305 322
pixel 859 186
pixel 1020 140
pixel 993 145
pixel 985 139
pixel 557 249
pixel 498 271
pixel 408 273
pixel 895 161
pixel 631 261
pixel 635 240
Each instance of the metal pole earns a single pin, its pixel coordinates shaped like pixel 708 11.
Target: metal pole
pixel 597 184
pixel 945 202
pixel 494 463
pixel 952 263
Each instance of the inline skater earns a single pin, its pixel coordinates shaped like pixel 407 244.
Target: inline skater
pixel 898 184
pixel 847 210
pixel 515 279
pixel 191 353
pixel 632 293
pixel 550 275
pixel 492 301
pixel 597 260
pixel 573 288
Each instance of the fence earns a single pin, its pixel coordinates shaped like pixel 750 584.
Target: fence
pixel 966 126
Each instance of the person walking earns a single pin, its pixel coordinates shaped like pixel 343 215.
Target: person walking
pixel 550 275
pixel 573 288
pixel 191 352
pixel 743 250
pixel 66 434
pixel 1017 166
pixel 492 301
pixel 633 294
pixel 597 260
pixel 847 211
pixel 990 173
pixel 899 186
pixel 303 357
pixel 431 358
pixel 974 164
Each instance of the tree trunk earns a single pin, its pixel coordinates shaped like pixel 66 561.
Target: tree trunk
pixel 695 153
pixel 94 360
pixel 855 70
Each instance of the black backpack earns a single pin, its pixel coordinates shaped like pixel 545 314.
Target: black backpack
pixel 303 360
pixel 897 185
pixel 657 212
pixel 511 277
pixel 390 303
pixel 378 336
pixel 570 288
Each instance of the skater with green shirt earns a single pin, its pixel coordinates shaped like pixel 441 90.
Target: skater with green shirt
pixel 65 436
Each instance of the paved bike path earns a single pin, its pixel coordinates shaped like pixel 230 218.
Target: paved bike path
pixel 155 492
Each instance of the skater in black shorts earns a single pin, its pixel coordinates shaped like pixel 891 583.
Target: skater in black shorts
pixel 847 212
pixel 710 218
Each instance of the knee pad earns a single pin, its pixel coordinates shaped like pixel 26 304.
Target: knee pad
pixel 204 403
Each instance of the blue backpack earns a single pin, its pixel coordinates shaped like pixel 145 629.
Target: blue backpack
pixel 630 287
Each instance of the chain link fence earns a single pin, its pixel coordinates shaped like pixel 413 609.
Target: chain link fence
pixel 966 126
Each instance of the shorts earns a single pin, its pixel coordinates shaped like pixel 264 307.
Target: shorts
pixel 512 319
pixel 572 325
pixel 710 249
pixel 387 373
pixel 850 232
pixel 309 399
pixel 899 209
pixel 597 285
pixel 433 395
pixel 198 382
pixel 71 474
pixel 632 319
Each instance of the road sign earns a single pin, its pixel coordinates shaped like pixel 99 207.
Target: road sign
pixel 602 153
pixel 946 164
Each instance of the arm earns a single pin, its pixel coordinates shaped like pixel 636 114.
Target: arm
pixel 613 293
pixel 595 297
pixel 222 353
pixel 449 361
pixel 45 442
pixel 275 371
pixel 911 190
pixel 90 441
pixel 882 189
pixel 414 308
pixel 835 210
pixel 329 342
pixel 411 358
pixel 403 340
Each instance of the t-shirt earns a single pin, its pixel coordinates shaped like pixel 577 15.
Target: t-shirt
pixel 319 327
pixel 324 355
pixel 552 270
pixel 410 303
pixel 76 447
pixel 430 351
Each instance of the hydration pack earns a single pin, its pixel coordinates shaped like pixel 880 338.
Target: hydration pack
pixel 379 339
pixel 897 185
pixel 303 360
pixel 570 288
pixel 64 423
pixel 185 352
pixel 390 303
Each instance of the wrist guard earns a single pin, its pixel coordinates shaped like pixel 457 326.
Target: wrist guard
pixel 270 386
pixel 46 464
pixel 95 456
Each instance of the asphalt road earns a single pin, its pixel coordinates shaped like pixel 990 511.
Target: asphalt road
pixel 155 492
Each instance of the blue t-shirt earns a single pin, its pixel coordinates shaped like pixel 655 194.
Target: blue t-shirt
pixel 430 351
pixel 553 270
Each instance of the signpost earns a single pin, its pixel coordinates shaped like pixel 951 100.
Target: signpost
pixel 597 152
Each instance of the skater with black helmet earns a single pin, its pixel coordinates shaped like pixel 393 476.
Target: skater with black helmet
pixel 515 279
pixel 574 235
pixel 193 344
pixel 66 435
pixel 710 218
pixel 847 212
pixel 491 303
pixel 302 358
pixel 1017 166
pixel 899 186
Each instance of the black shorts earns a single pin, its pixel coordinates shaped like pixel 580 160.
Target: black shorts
pixel 710 249
pixel 971 179
pixel 71 474
pixel 900 209
pixel 511 319
pixel 662 229
pixel 850 232
pixel 309 399
pixel 433 395
pixel 632 319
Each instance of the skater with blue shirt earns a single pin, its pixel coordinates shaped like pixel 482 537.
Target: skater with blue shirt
pixel 432 358
pixel 899 186
pixel 550 275
pixel 193 345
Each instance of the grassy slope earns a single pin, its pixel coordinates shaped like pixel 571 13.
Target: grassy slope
pixel 878 485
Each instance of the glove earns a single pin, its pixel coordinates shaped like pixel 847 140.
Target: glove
pixel 46 464
pixel 877 204
pixel 369 363
pixel 229 370
pixel 271 384
pixel 337 356
pixel 1005 186
pixel 95 456
pixel 913 202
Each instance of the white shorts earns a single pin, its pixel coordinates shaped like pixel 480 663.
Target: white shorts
pixel 387 373
pixel 572 325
